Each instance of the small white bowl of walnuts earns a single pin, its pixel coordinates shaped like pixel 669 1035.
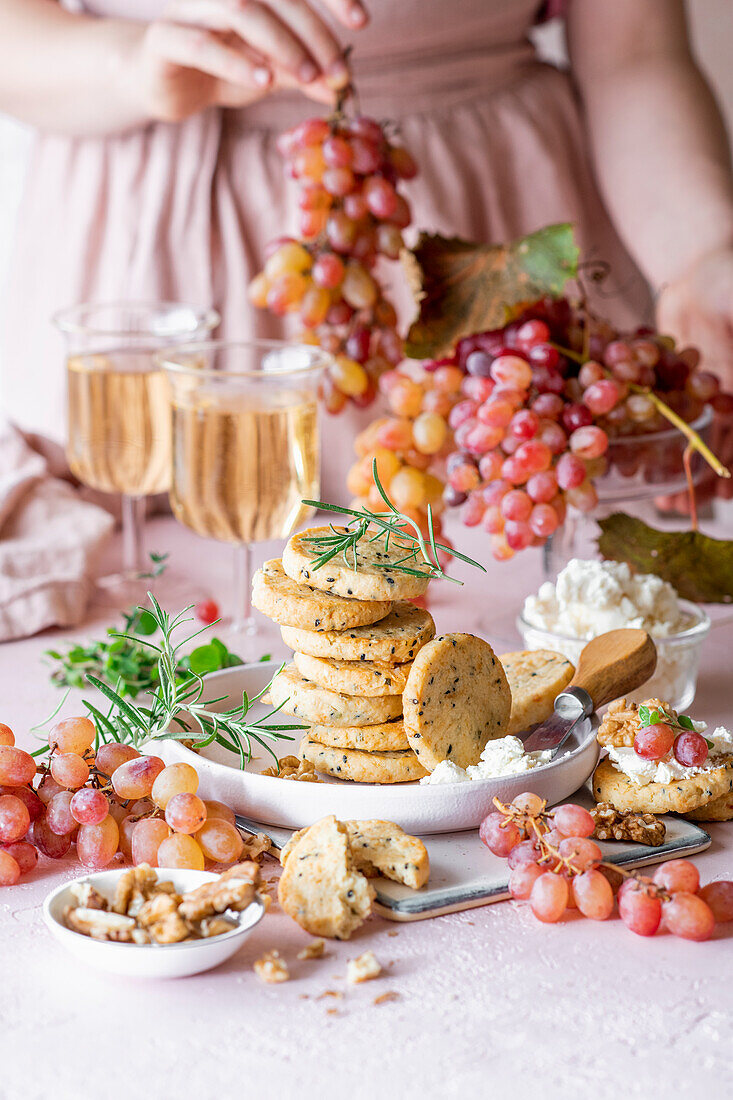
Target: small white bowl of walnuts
pixel 142 922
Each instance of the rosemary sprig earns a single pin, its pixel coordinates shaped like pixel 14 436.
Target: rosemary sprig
pixel 398 532
pixel 175 699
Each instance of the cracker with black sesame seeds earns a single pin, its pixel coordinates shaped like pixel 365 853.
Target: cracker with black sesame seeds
pixel 381 848
pixel 456 700
pixel 371 679
pixel 394 639
pixel 369 577
pixel 302 607
pixel 296 695
pixel 362 767
pixel 536 677
pixel 386 737
pixel 320 887
pixel 679 796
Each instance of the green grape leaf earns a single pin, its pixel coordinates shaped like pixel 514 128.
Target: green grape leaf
pixel 462 288
pixel 700 568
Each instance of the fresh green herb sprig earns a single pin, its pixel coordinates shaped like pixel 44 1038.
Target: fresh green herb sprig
pixel 649 716
pixel 397 532
pixel 177 700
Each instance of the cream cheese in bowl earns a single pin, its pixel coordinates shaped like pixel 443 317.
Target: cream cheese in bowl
pixel 592 597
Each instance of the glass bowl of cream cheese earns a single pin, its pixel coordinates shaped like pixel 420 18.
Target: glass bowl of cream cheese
pixel 592 597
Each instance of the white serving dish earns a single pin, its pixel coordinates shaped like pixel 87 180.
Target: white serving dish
pixel 132 960
pixel 418 809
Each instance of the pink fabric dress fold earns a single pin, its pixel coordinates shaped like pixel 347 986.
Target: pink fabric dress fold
pixel 185 211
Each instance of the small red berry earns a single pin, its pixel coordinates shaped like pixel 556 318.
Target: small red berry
pixel 207 611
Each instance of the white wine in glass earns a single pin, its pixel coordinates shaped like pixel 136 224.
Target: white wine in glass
pixel 246 445
pixel 118 424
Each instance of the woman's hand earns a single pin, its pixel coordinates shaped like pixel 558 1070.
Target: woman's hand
pixel 229 53
pixel 698 310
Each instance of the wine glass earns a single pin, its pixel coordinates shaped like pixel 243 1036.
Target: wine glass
pixel 246 445
pixel 118 427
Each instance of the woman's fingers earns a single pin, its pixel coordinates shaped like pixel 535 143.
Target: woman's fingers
pixel 204 50
pixel 324 47
pixel 351 13
pixel 256 24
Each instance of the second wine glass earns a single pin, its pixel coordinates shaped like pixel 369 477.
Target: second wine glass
pixel 246 445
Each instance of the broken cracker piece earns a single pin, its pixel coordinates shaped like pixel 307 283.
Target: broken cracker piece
pixel 271 968
pixel 364 968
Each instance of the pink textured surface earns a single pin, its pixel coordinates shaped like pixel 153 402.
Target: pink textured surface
pixel 489 1000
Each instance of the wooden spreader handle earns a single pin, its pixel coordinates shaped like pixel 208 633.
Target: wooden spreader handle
pixel 615 664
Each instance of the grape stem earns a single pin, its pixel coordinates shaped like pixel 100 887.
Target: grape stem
pixel 686 462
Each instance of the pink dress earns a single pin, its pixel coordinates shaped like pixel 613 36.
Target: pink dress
pixel 184 211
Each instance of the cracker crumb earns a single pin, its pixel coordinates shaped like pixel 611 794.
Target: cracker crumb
pixel 385 998
pixel 313 950
pixel 364 968
pixel 330 993
pixel 393 933
pixel 271 968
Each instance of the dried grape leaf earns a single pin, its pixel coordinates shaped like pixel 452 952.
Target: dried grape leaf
pixel 699 567
pixel 463 288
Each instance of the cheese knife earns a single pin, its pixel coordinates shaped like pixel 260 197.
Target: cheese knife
pixel 609 666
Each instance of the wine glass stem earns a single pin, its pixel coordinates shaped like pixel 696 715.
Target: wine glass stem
pixel 133 516
pixel 243 620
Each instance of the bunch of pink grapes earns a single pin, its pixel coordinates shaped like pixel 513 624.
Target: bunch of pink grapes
pixel 351 213
pixel 555 866
pixel 111 801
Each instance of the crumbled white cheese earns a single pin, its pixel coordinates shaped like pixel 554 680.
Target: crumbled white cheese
pixel 666 770
pixel 504 756
pixel 592 597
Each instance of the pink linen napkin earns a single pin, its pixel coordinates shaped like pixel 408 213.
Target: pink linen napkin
pixel 49 542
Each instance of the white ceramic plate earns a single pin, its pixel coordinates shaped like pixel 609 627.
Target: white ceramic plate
pixel 132 960
pixel 428 809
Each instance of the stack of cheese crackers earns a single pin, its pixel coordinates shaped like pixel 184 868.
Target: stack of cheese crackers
pixel 385 699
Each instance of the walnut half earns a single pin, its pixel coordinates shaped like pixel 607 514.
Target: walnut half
pixel 612 824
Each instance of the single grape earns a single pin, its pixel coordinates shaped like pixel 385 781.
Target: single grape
pixel 535 456
pixel 96 845
pixel 691 749
pixel 654 742
pixel 69 770
pixel 581 852
pixel 219 810
pixel 603 396
pixel 528 803
pixel 465 477
pixel 570 472
pixel 524 852
pixel 543 521
pixel 496 412
pixel 185 813
pixel 290 258
pixel 461 413
pixel 47 841
pixel 547 381
pixel 328 270
pixel 549 897
pixel 593 895
pixel 181 850
pixel 499 835
pixel 453 498
pixel 584 498
pixel 544 355
pixel 489 466
pixel 381 197
pixel 402 162
pixel 174 779
pixel 110 756
pixel 24 854
pixel 29 798
pixel 127 828
pixel 17 767
pixel 47 788
pixel 14 819
pixel 719 897
pixel 573 821
pixel 314 306
pixel 147 836
pixel 515 471
pixel 553 436
pixel 516 505
pixel 493 521
pixel 548 406
pixel 135 778
pixel 365 157
pixel 532 333
pixel 9 869
pixel 524 425
pixel 589 442
pixel 676 875
pixel 500 548
pixel 518 534
pixel 576 416
pixel 206 611
pixel 473 510
pixel 688 917
pixel 74 735
pixel 482 438
pixel 89 806
pixel 511 370
pixel 59 817
pixel 337 151
pixel 522 879
pixel 220 841
pixel 312 131
pixel 7 737
pixel 589 373
pixel 405 397
pixel 640 910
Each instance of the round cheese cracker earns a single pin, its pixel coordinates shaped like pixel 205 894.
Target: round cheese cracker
pixel 536 677
pixel 394 639
pixel 457 698
pixel 306 608
pixel 304 699
pixel 368 578
pixel 362 767
pixel 681 796
pixel 386 737
pixel 368 678
pixel 720 809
